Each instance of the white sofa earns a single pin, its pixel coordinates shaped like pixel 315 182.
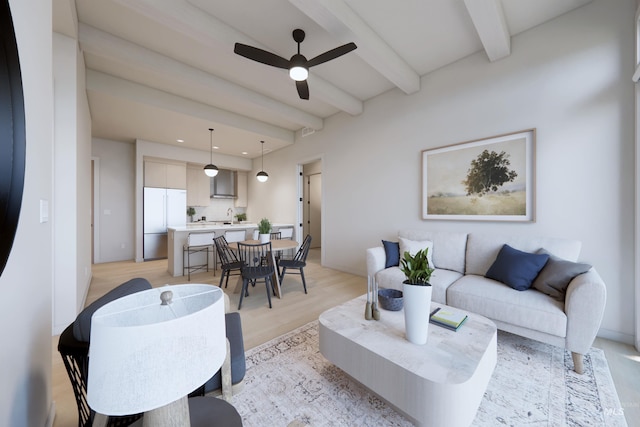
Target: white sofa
pixel 461 261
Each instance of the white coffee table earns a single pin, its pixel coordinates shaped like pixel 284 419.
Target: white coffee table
pixel 440 383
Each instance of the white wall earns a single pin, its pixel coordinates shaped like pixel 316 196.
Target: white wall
pixel 26 283
pixel 569 78
pixel 71 164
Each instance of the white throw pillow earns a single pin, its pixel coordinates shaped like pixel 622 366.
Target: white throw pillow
pixel 413 246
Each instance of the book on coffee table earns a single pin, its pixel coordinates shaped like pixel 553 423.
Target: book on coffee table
pixel 447 318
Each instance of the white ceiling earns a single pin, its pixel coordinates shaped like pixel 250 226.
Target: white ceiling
pixel 160 70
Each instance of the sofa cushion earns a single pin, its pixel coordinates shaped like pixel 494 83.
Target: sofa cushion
pixel 556 275
pixel 392 278
pixel 82 324
pixel 392 253
pixel 448 247
pixel 414 246
pixel 528 309
pixel 482 249
pixel 516 268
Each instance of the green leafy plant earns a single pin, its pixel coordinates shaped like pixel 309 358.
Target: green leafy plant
pixel 416 268
pixel 191 212
pixel 264 226
pixel 241 217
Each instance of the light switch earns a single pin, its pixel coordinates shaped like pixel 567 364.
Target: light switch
pixel 44 211
pixel 107 211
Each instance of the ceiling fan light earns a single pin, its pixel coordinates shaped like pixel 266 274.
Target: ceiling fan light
pixel 211 170
pixel 298 73
pixel 262 176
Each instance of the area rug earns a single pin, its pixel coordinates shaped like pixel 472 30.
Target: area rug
pixel 289 383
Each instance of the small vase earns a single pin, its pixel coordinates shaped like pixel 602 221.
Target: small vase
pixel 264 238
pixel 417 308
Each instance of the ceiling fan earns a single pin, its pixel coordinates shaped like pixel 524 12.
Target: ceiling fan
pixel 298 65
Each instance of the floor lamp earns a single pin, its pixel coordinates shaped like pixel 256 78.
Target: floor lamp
pixel 149 350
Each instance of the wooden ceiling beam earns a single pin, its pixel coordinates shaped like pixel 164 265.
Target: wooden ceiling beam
pixel 491 25
pixel 337 18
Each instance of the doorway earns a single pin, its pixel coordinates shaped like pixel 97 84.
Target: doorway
pixel 312 202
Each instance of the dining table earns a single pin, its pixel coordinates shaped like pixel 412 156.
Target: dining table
pixel 277 245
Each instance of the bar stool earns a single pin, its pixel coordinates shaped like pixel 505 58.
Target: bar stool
pixel 198 243
pixel 235 236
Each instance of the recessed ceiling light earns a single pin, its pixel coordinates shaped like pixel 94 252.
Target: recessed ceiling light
pixel 215 147
pixel 245 153
pixel 180 140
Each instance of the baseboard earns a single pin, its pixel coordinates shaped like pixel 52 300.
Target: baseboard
pixel 52 415
pixel 616 336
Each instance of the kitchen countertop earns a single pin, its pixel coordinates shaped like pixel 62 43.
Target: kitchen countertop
pixel 206 226
pixel 177 237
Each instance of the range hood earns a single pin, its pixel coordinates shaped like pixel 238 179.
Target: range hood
pixel 223 185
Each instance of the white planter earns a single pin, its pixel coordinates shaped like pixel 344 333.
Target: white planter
pixel 417 307
pixel 264 238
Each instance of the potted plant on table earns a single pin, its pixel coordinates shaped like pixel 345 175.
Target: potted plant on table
pixel 416 293
pixel 191 212
pixel 264 230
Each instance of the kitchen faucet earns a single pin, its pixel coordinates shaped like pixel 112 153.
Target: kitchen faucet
pixel 230 213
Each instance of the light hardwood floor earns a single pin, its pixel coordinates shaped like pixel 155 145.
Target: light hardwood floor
pixel 326 288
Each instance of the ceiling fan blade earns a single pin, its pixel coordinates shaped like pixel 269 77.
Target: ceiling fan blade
pixel 260 55
pixel 331 54
pixel 303 89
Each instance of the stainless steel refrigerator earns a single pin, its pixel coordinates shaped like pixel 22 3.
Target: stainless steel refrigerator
pixel 162 208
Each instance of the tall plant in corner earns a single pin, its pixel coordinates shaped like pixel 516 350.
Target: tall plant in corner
pixel 416 292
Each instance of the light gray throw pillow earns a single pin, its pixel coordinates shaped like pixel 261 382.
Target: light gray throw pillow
pixel 556 275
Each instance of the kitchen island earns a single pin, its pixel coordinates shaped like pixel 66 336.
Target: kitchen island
pixel 177 238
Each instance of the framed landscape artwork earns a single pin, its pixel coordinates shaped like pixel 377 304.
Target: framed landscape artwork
pixel 489 179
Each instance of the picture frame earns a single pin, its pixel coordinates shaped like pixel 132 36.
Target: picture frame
pixel 488 179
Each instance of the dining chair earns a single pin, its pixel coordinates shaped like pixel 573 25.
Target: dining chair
pixel 257 264
pixel 229 262
pixel 286 233
pixel 198 243
pixel 275 235
pixel 298 262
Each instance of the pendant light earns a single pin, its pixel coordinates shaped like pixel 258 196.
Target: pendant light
pixel 211 169
pixel 262 175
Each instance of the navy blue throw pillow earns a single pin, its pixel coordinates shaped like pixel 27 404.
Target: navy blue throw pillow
pixel 392 250
pixel 516 268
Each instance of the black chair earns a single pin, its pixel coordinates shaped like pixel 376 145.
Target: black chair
pixel 298 262
pixel 75 355
pixel 73 346
pixel 229 263
pixel 257 262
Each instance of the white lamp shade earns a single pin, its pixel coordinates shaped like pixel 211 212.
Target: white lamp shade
pixel 144 355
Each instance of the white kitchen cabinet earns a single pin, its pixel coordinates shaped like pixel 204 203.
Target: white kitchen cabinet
pixel 165 175
pixel 176 176
pixel 241 190
pixel 198 187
